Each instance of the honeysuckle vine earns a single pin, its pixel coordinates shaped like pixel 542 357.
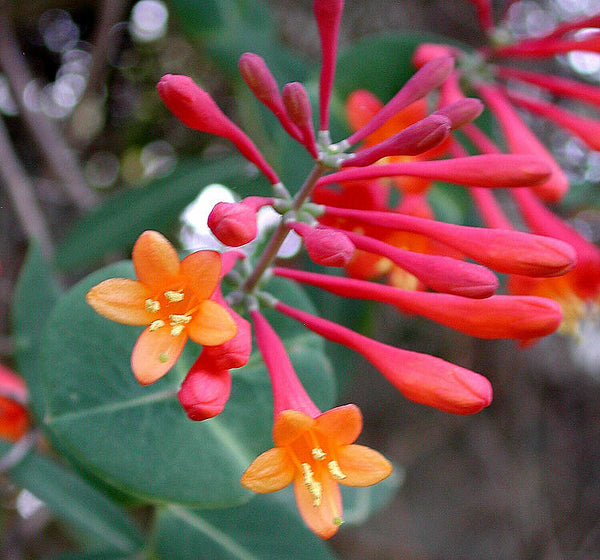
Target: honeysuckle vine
pixel 342 216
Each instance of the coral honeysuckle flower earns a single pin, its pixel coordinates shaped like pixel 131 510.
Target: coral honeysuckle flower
pixel 173 298
pixel 317 454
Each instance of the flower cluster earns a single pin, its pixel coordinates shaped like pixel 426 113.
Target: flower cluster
pixel 341 215
pixel 508 90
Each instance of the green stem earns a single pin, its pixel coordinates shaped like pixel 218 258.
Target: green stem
pixel 281 232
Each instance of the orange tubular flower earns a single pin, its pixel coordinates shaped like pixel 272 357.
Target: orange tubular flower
pixel 314 450
pixel 317 454
pixel 172 298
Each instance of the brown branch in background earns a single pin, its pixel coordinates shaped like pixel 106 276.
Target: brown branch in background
pixel 22 196
pixel 111 12
pixel 59 156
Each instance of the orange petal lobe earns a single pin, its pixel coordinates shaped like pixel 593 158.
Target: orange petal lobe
pixel 155 353
pixel 362 465
pixel 202 270
pixel 211 325
pixel 155 260
pixel 269 472
pixel 121 300
pixel 321 519
pixel 290 425
pixel 343 423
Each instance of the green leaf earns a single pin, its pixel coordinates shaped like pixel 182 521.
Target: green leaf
pixel 78 504
pixel 36 293
pixel 260 530
pixel 117 223
pixel 93 556
pixel 138 439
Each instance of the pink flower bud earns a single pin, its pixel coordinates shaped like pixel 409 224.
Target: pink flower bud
pixel 427 52
pixel 429 77
pixel 233 223
pixel 461 112
pixel 440 273
pixel 325 246
pixel 259 79
pixel 517 317
pixel 419 377
pixel 195 108
pixel 297 106
pixel 328 14
pixel 205 390
pixel 234 353
pixel 487 170
pixel 521 140
pixel 413 140
pixel 512 252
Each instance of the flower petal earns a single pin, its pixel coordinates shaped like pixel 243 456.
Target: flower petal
pixel 121 300
pixel 290 425
pixel 343 423
pixel 202 270
pixel 155 353
pixel 211 325
pixel 362 465
pixel 155 259
pixel 269 472
pixel 325 518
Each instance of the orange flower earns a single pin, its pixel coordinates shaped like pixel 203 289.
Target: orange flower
pixel 172 298
pixel 317 454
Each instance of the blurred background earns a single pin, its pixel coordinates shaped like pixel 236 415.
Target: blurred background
pixel 519 480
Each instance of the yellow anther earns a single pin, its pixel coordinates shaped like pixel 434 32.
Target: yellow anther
pixel 174 297
pixel 155 325
pixel 314 488
pixel 335 470
pixel 152 306
pixel 180 319
pixel 162 358
pixel 176 330
pixel 318 454
pixel 337 521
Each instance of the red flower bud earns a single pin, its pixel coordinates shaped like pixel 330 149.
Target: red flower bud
pixel 195 108
pixel 461 112
pixel 325 246
pixel 297 106
pixel 233 223
pixel 235 352
pixel 205 390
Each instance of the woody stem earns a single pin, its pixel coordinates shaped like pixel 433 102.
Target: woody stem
pixel 281 232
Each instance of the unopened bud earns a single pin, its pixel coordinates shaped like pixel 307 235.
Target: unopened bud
pixel 205 390
pixel 259 79
pixel 461 112
pixel 235 352
pixel 413 140
pixel 233 223
pixel 325 246
pixel 297 106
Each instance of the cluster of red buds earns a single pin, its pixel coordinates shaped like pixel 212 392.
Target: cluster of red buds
pixel 342 222
pixel 493 73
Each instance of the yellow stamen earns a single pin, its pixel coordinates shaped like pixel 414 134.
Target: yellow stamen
pixel 174 297
pixel 318 454
pixel 335 470
pixel 176 330
pixel 152 306
pixel 337 521
pixel 155 325
pixel 313 487
pixel 162 358
pixel 180 319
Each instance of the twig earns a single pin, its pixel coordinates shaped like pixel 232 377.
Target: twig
pixel 112 12
pixel 56 151
pixel 22 196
